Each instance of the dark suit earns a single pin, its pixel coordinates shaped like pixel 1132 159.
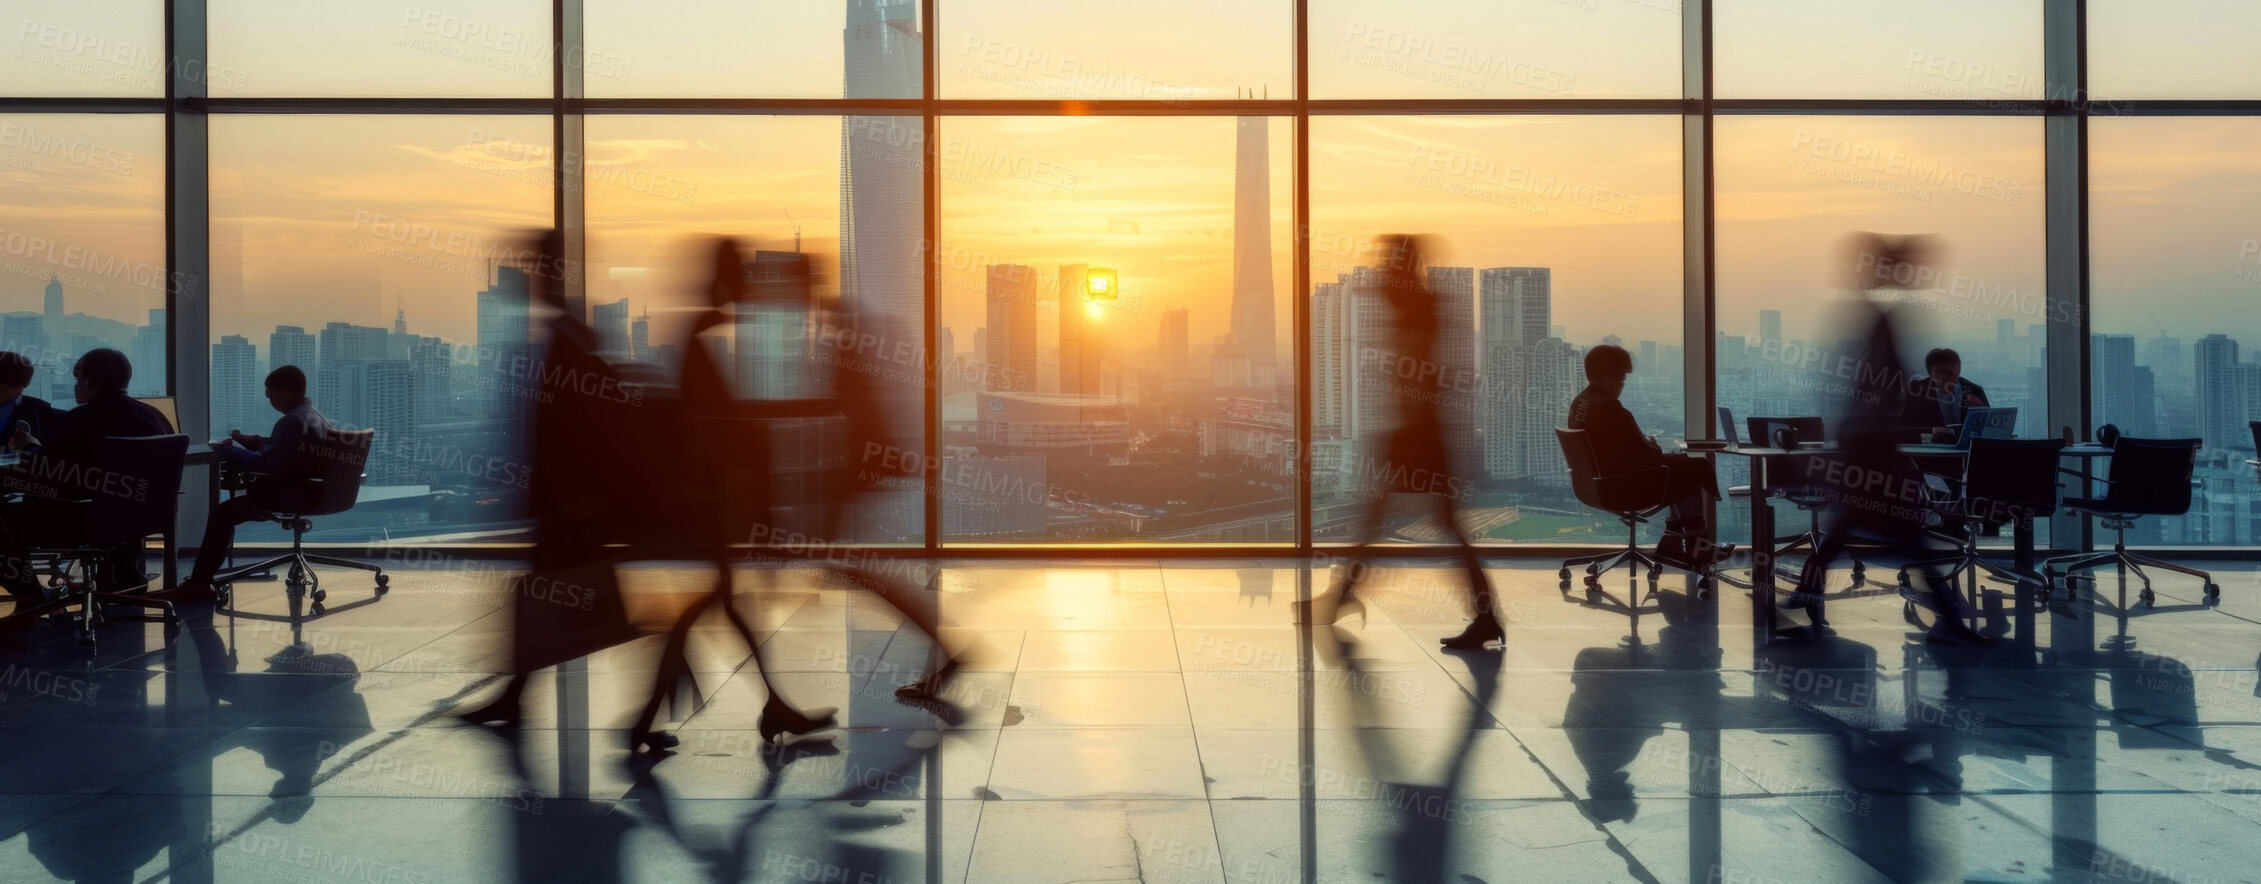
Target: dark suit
pixel 50 515
pixel 1924 408
pixel 1619 447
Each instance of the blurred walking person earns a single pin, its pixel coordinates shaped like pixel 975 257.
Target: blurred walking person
pixel 1418 458
pixel 726 485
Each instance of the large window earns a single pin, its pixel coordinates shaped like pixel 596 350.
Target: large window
pixel 1162 409
pixel 349 187
pixel 1554 234
pixel 82 246
pixel 378 255
pixel 2176 269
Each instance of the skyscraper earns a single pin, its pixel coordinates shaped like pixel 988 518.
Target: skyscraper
pixel 2111 382
pixel 236 385
pixel 2221 394
pixel 882 204
pixel 1455 290
pixel 53 315
pixel 1770 327
pixel 149 356
pixel 1515 314
pixel 611 324
pixel 1330 352
pixel 1517 304
pixel 1012 328
pixel 504 334
pixel 640 336
pixel 291 345
pixel 1083 335
pixel 1176 345
pixel 1255 333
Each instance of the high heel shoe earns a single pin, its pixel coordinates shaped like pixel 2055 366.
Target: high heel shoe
pixel 1483 631
pixel 930 687
pixel 779 720
pixel 654 741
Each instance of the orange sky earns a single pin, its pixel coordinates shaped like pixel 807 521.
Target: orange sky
pixel 305 207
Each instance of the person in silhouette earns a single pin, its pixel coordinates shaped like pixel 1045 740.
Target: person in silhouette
pixel 1876 492
pixel 875 455
pixel 568 604
pixel 1938 404
pixel 1417 458
pixel 37 418
pixel 1619 447
pixel 283 455
pixel 66 469
pixel 725 485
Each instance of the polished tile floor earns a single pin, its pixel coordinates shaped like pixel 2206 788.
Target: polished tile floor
pixel 1154 721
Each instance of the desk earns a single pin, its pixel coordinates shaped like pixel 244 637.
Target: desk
pixel 1766 617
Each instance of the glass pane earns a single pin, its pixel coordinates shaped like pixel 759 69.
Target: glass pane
pixel 2175 269
pixel 364 251
pixel 1157 407
pixel 661 187
pixel 1165 50
pixel 82 249
pixel 1558 234
pixel 1918 49
pixel 1790 189
pixel 1518 49
pixel 438 48
pixel 78 49
pixel 769 48
pixel 2173 49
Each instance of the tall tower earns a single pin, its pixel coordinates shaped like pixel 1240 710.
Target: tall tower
pixel 291 345
pixel 1770 327
pixel 2221 401
pixel 1254 331
pixel 2111 383
pixel 882 202
pixel 1011 332
pixel 53 317
pixel 235 383
pixel 1516 309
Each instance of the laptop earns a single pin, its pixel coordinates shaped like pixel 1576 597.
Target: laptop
pixel 1727 427
pixel 1987 423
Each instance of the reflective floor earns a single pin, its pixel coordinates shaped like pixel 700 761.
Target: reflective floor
pixel 1157 721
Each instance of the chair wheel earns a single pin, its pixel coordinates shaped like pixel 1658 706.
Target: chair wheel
pixel 1703 588
pixel 319 596
pixel 1904 578
pixel 1859 569
pixel 1593 583
pixel 384 582
pixel 2148 599
pixel 1908 612
pixel 1564 574
pixel 2213 592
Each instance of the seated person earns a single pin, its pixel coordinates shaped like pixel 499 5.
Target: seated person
pixel 50 515
pixel 1938 403
pixel 1619 447
pixel 37 417
pixel 284 454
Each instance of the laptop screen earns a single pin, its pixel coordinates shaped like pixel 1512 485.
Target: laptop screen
pixel 1988 423
pixel 1727 426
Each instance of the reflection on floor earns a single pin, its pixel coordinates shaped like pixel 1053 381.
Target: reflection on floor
pixel 1152 721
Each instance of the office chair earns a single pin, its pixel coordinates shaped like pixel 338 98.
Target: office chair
pixel 288 500
pixel 138 498
pixel 2148 477
pixel 1632 498
pixel 2004 480
pixel 1808 499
